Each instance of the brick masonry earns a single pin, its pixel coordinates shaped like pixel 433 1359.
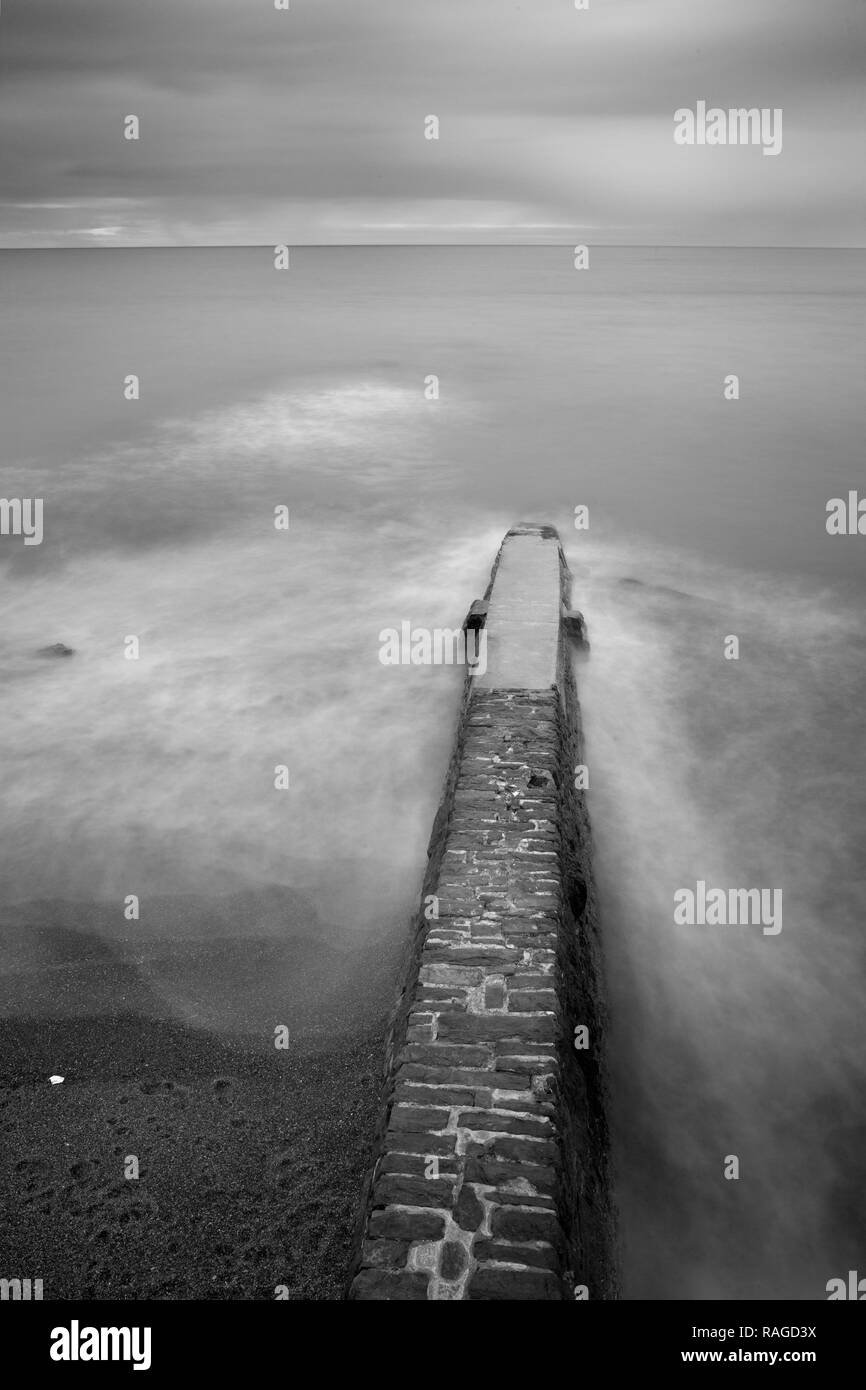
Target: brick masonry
pixel 491 1179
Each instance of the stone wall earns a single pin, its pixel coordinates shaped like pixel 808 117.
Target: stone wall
pixel 491 1176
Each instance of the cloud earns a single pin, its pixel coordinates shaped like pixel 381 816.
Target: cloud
pixel 256 121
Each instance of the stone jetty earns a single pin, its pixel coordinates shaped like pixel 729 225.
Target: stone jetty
pixel 491 1177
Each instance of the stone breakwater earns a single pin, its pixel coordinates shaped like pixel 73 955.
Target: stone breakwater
pixel 491 1177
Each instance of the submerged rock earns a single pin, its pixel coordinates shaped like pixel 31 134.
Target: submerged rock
pixel 56 649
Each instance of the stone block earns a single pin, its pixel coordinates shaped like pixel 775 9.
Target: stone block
pixel 494 1283
pixel 408 1226
pixel 383 1284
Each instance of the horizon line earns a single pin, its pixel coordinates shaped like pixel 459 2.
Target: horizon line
pixel 439 245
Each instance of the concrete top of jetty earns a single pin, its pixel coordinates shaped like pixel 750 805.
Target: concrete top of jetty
pixel 524 611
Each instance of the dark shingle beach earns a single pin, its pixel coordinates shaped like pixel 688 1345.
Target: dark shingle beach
pixel 250 1158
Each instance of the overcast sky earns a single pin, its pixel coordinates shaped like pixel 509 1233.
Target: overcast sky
pixel 263 126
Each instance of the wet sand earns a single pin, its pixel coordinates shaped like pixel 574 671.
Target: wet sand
pixel 251 1159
